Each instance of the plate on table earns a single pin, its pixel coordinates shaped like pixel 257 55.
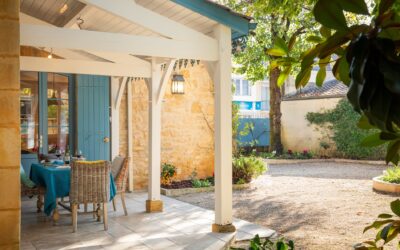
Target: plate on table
pixel 63 166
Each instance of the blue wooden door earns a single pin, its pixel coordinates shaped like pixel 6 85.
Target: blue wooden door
pixel 93 99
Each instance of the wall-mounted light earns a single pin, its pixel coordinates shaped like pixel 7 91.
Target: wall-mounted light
pixel 178 84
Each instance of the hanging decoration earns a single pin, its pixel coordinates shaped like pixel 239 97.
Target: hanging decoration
pixel 53 100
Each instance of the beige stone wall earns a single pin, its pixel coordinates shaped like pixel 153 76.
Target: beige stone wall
pixel 10 144
pixel 297 133
pixel 187 127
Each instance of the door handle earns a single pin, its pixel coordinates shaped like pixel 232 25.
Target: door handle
pixel 106 139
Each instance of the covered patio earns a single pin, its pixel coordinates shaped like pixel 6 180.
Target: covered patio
pixel 121 43
pixel 179 226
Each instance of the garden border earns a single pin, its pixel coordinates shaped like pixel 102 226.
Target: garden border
pixel 336 160
pixel 182 191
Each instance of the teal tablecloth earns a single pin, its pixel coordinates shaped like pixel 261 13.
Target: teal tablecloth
pixel 57 184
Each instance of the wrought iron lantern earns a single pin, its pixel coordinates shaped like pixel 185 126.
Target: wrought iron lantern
pixel 178 84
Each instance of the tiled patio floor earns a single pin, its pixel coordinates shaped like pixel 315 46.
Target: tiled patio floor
pixel 180 226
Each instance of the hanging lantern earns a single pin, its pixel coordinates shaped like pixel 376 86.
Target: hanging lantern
pixel 178 84
pixel 53 100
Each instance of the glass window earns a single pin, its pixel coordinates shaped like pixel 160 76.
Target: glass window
pixel 57 112
pixel 245 87
pixel 29 113
pixel 237 87
pixel 264 98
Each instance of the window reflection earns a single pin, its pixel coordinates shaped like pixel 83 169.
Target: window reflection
pixel 57 112
pixel 29 114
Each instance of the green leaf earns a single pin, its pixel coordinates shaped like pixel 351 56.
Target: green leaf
pixel 385 232
pixel 333 43
pixel 344 69
pixel 325 32
pixel 392 234
pixel 377 224
pixel 392 154
pixel 276 52
pixel 284 75
pixel 281 246
pixel 385 216
pixel 280 43
pixel 389 136
pixel 322 70
pixel 355 6
pixel 315 39
pixel 274 64
pixel 303 77
pixel 395 207
pixel 292 40
pixel 341 70
pixel 363 123
pixel 372 141
pixel 279 49
pixel 320 76
pixel 330 14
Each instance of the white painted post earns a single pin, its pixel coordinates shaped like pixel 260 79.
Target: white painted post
pixel 130 134
pixel 223 132
pixel 154 203
pixel 115 86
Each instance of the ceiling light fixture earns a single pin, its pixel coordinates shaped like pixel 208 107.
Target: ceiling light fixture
pixel 50 56
pixel 63 9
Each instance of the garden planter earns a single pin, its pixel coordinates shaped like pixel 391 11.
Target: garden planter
pixel 385 187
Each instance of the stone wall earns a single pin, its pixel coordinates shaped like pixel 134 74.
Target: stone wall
pixel 187 127
pixel 10 140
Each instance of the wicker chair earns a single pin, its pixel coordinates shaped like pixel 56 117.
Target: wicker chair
pixel 90 183
pixel 119 170
pixel 31 192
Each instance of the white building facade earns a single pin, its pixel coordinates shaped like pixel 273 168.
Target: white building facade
pixel 252 98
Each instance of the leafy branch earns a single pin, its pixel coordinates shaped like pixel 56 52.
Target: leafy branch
pixel 366 59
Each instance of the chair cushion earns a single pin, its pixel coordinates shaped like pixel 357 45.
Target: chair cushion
pixel 25 179
pixel 116 165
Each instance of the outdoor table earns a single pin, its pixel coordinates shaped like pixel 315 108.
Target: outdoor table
pixel 57 180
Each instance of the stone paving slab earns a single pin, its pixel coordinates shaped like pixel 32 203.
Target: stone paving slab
pixel 180 226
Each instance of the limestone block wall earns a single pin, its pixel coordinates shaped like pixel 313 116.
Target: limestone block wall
pixel 297 133
pixel 187 139
pixel 10 144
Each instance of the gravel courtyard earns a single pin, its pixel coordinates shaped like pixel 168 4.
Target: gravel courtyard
pixel 318 205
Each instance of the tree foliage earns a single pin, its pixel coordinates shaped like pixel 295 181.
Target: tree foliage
pixel 277 21
pixel 366 58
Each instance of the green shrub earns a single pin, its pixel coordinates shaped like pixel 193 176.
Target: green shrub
pixel 241 181
pixel 201 183
pixel 168 173
pixel 258 244
pixel 244 169
pixel 392 175
pixel 342 121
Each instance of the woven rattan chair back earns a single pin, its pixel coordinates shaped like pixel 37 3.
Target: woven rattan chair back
pixel 122 176
pixel 90 182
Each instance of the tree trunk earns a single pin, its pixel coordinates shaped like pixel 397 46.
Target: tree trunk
pixel 275 111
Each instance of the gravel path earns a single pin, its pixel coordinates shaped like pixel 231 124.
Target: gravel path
pixel 318 205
